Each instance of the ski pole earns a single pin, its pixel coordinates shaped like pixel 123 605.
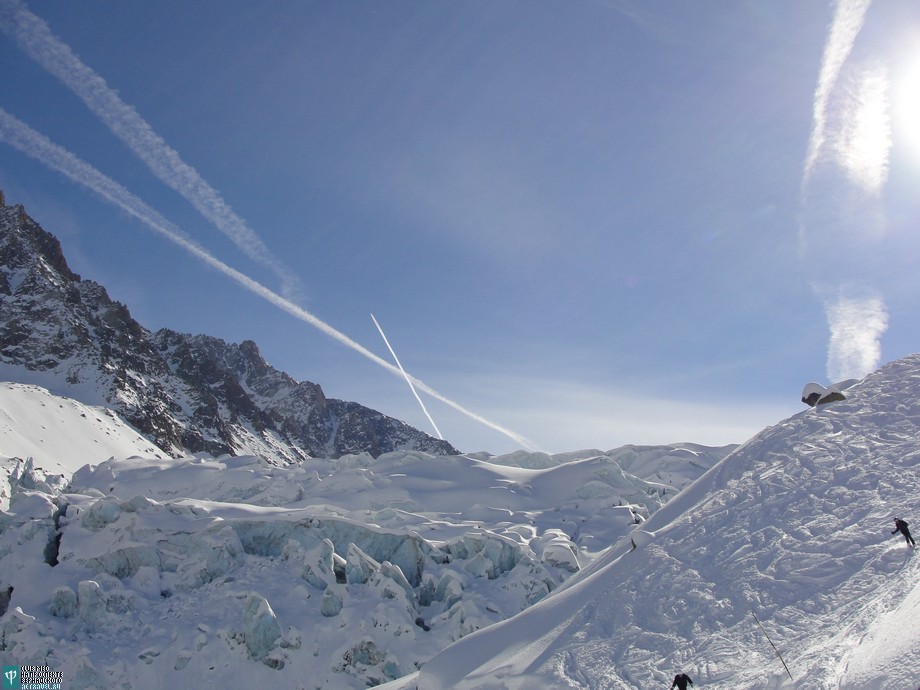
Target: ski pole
pixel 773 645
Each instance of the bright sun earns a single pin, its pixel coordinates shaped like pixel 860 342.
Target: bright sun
pixel 906 103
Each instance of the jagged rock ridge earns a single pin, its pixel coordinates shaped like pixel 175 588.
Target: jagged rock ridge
pixel 187 393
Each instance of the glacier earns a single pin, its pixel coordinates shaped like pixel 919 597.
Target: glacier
pixel 602 569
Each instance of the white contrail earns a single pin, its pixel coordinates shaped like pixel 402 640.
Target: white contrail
pixel 35 38
pixel 406 376
pixel 22 137
pixel 848 20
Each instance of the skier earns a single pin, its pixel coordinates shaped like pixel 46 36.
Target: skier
pixel 901 526
pixel 680 681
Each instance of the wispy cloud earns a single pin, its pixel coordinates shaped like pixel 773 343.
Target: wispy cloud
pixel 848 20
pixel 856 326
pixel 35 38
pixel 25 139
pixel 845 171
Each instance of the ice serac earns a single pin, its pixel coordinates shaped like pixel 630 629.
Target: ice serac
pixel 292 589
pixel 186 393
pixel 260 630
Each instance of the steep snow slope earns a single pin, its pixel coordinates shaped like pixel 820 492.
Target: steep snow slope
pixel 793 526
pixel 59 434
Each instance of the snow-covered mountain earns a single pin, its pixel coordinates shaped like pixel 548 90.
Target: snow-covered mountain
pixel 794 528
pixel 185 393
pixel 122 566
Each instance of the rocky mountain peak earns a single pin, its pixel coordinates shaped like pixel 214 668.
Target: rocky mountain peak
pixel 25 245
pixel 187 393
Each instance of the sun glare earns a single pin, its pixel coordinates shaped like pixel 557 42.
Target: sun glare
pixel 907 107
pixel 865 138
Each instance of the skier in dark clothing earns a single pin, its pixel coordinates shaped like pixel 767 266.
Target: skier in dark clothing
pixel 901 526
pixel 680 681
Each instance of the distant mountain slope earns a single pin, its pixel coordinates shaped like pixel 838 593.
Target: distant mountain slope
pixel 185 393
pixel 793 526
pixel 59 435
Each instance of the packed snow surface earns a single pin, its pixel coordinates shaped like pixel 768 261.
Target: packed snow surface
pixel 591 569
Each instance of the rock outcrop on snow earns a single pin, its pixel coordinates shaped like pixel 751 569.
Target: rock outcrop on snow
pixel 814 394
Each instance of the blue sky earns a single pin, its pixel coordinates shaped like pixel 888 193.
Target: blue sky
pixel 581 224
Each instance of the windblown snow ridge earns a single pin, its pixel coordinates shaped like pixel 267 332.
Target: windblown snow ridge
pixel 794 525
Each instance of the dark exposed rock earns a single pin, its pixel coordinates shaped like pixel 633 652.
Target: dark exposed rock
pixel 187 393
pixel 814 394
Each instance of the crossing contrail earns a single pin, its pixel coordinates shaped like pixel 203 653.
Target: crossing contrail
pixel 25 139
pixel 35 38
pixel 406 376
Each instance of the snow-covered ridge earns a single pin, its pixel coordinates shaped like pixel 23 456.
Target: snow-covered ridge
pixel 793 527
pixel 59 434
